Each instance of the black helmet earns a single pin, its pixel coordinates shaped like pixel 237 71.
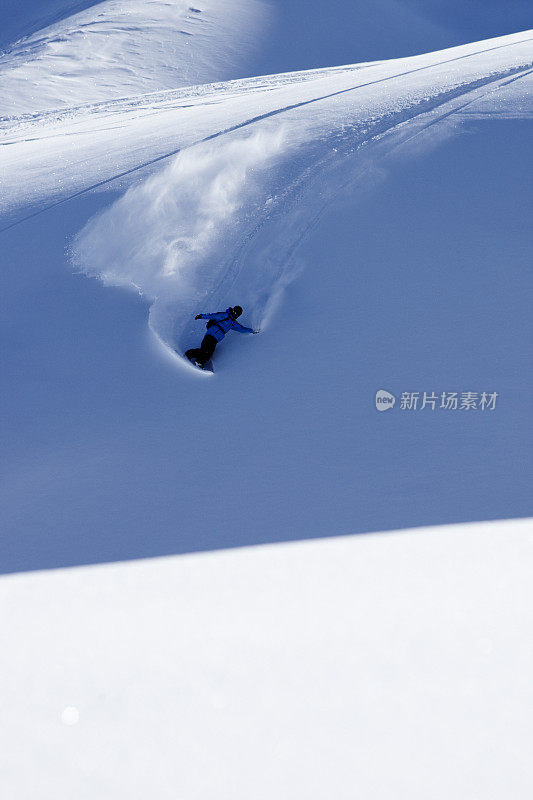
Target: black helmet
pixel 237 311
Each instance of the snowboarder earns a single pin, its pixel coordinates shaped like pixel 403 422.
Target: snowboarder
pixel 218 326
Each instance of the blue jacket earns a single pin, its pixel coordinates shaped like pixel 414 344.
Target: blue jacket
pixel 224 323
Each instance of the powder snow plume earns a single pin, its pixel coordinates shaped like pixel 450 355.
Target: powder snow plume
pixel 165 236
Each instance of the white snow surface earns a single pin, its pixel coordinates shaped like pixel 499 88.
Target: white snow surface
pixel 391 665
pixel 395 665
pixel 120 48
pixel 228 163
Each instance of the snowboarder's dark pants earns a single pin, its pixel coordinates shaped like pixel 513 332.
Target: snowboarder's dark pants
pixel 205 351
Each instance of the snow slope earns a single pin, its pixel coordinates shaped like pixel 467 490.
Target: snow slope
pixel 258 146
pixel 260 182
pixel 390 666
pixel 63 152
pixel 119 48
pixel 349 179
pixel 375 220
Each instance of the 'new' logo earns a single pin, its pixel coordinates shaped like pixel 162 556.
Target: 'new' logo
pixel 384 400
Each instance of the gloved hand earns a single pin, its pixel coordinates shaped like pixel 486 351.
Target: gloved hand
pixel 258 330
pixel 198 316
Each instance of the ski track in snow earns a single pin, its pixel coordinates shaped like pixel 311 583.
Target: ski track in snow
pixel 249 161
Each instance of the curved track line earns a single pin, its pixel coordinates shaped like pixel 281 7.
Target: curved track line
pixel 232 274
pixel 259 118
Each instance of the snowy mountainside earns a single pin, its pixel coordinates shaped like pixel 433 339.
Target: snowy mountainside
pixel 19 22
pixel 373 220
pixel 204 196
pixel 241 152
pixel 120 48
pixel 63 152
pixel 202 227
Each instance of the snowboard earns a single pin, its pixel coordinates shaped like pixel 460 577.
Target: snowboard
pixel 207 367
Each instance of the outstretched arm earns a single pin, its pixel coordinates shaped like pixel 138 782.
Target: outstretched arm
pixel 215 315
pixel 241 328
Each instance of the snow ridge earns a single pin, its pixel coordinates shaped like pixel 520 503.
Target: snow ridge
pixel 120 48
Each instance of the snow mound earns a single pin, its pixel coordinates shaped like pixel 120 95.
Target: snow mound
pixel 338 656
pixel 117 48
